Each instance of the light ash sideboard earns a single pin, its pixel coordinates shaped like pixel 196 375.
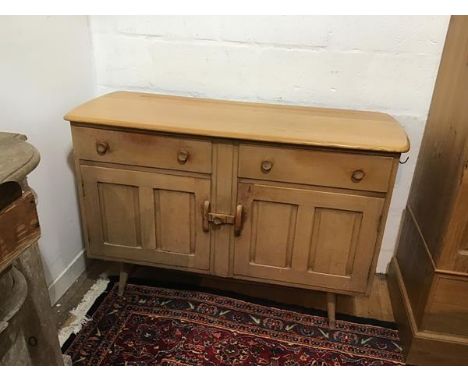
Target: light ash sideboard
pixel 289 195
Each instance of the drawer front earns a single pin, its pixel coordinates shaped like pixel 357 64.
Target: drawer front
pixel 332 169
pixel 142 149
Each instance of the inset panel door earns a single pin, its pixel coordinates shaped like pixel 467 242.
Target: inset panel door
pixel 307 237
pixel 146 217
pixel 454 254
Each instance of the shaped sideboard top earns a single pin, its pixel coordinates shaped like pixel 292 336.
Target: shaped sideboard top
pixel 300 125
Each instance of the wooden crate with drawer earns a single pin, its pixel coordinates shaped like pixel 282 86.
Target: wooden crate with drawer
pixel 288 195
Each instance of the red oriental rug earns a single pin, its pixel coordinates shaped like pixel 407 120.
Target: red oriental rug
pixel 159 326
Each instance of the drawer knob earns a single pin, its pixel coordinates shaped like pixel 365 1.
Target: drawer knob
pixel 358 175
pixel 266 166
pixel 102 147
pixel 182 156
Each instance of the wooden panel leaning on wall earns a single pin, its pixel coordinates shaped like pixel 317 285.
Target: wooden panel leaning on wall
pixel 428 276
pixel 285 195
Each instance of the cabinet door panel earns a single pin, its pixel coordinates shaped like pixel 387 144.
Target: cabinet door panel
pixel 330 252
pixel 273 230
pixel 175 219
pixel 119 214
pixel 146 217
pixel 306 237
pixel 454 255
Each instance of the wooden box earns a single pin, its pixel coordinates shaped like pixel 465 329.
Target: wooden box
pixel 19 226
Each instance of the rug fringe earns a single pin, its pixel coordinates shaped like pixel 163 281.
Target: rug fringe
pixel 78 315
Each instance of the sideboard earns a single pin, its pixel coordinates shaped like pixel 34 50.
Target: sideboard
pixel 290 195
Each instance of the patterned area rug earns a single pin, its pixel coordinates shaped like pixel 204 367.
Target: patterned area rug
pixel 159 326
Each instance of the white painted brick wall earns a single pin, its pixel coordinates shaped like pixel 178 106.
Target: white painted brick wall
pixel 379 63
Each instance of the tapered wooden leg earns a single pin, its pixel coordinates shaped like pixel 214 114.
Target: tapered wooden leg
pixel 124 269
pixel 331 309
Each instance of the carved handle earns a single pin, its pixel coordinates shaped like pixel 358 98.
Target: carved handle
pixel 205 212
pixel 238 220
pixel 358 175
pixel 102 147
pixel 183 156
pixel 266 166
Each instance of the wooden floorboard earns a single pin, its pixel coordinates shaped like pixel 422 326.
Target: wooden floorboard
pixel 376 306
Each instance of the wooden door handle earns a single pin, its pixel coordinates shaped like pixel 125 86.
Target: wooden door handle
pixel 205 214
pixel 102 147
pixel 238 220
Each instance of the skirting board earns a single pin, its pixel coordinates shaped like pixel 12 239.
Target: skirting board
pixel 69 275
pixel 421 347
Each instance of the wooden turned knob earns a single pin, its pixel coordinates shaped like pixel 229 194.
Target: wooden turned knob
pixel 358 175
pixel 266 166
pixel 102 147
pixel 182 156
